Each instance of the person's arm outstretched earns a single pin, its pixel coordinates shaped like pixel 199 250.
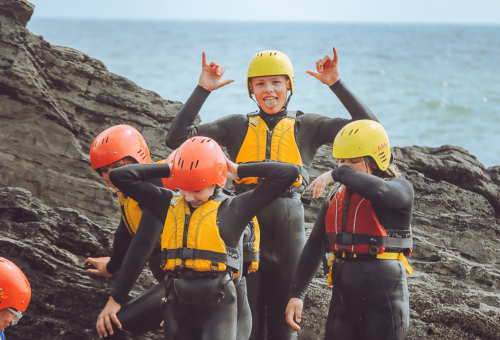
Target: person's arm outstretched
pixel 183 126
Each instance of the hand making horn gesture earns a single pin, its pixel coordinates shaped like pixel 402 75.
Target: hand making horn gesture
pixel 327 69
pixel 211 75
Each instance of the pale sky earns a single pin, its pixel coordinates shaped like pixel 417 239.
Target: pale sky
pixel 386 11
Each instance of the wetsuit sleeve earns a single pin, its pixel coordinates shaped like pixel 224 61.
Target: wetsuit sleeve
pixel 184 127
pixel 132 180
pixel 121 243
pixel 310 258
pixel 278 178
pixel 395 194
pixel 355 106
pixel 140 250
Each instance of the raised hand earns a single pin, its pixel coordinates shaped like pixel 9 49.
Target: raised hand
pixel 294 308
pixel 100 266
pixel 320 183
pixel 104 319
pixel 211 75
pixel 327 69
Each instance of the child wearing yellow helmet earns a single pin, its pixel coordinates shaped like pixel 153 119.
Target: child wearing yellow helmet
pixel 273 133
pixel 365 223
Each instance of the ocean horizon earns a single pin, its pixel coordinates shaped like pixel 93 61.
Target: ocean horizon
pixel 428 84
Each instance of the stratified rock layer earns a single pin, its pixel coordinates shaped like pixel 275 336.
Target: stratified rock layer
pixel 54 101
pixel 55 211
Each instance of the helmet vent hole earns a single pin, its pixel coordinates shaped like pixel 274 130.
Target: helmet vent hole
pixel 102 141
pixel 191 167
pixel 341 133
pixel 202 141
pixel 196 163
pixel 107 139
pixel 182 164
pixel 380 154
pixel 350 132
pixel 356 131
pixel 179 162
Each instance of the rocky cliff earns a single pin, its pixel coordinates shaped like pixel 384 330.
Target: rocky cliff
pixel 55 211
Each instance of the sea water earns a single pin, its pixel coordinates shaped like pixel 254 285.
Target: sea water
pixel 429 85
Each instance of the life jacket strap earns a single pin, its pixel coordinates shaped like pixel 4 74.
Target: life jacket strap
pixel 251 256
pixel 377 241
pixel 232 260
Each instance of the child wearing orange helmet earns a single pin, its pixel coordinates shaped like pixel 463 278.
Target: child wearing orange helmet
pixel 201 239
pixel 115 147
pixel 15 294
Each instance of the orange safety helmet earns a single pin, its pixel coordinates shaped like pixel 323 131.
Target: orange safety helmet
pixel 169 182
pixel 118 142
pixel 199 163
pixel 15 290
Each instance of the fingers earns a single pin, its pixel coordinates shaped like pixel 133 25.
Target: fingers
pixel 203 59
pixel 93 271
pixel 290 312
pixel 162 324
pixel 109 326
pixel 313 184
pixel 335 57
pixel 101 330
pixel 227 81
pixel 314 74
pixel 116 321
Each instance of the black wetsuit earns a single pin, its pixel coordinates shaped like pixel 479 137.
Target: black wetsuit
pixel 133 251
pixel 194 309
pixel 370 297
pixel 282 222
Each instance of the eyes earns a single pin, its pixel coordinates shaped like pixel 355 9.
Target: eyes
pixel 349 160
pixel 276 81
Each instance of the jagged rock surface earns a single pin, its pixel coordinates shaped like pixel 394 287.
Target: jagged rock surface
pixel 54 100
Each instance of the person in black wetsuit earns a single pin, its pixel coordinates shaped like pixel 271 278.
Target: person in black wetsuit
pixel 115 147
pixel 365 222
pixel 202 233
pixel 275 133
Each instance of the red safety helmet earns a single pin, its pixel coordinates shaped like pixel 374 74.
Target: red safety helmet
pixel 118 142
pixel 15 290
pixel 169 182
pixel 199 163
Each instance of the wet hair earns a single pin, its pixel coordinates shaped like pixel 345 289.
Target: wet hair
pixel 392 170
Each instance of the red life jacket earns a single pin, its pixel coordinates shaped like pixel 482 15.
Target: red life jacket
pixel 352 226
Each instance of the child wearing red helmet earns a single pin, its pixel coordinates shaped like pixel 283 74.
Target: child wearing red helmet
pixel 201 238
pixel 15 294
pixel 118 146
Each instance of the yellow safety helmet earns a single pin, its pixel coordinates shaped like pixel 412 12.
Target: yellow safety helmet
pixel 269 63
pixel 363 138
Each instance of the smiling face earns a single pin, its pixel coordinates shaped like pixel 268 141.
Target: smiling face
pixel 6 318
pixel 270 92
pixel 104 171
pixel 198 198
pixel 358 164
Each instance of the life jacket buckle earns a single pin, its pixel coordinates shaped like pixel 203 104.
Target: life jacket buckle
pixel 216 265
pixel 373 250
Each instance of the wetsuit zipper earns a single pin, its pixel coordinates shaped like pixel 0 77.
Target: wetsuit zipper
pixel 268 144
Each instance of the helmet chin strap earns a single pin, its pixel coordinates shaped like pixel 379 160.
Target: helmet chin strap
pixel 283 108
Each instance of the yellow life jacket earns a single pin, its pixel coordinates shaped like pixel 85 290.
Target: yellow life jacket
pixel 278 145
pixel 193 240
pixel 251 247
pixel 130 211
